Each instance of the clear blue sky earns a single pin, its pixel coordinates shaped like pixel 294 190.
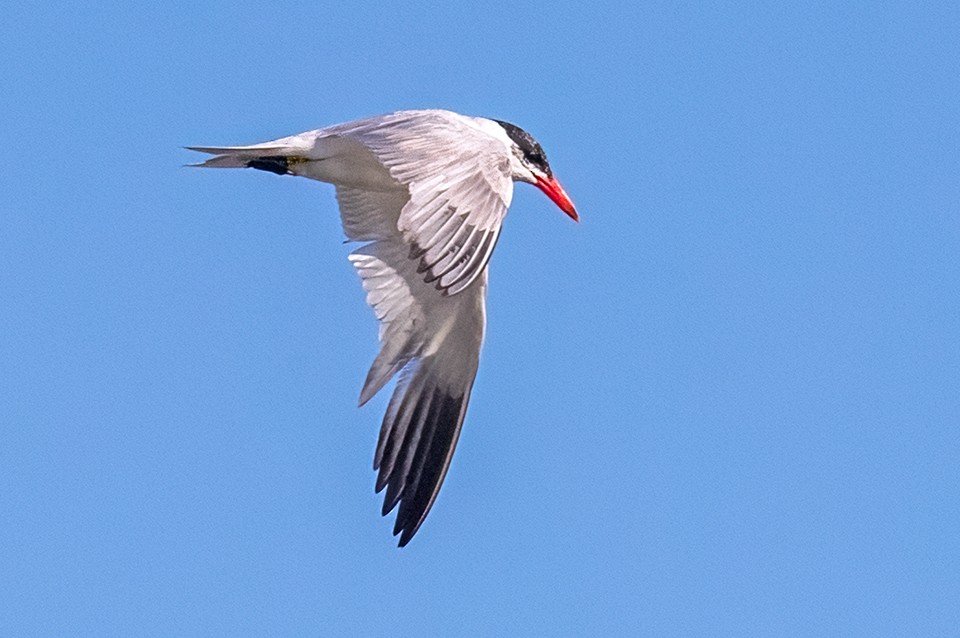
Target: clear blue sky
pixel 727 403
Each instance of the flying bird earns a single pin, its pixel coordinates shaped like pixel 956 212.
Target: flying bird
pixel 427 192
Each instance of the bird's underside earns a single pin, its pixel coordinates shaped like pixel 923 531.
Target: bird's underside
pixel 425 192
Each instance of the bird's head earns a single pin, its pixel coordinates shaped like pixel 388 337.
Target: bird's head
pixel 529 164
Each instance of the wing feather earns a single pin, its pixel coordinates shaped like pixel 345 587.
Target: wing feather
pixel 431 339
pixel 467 185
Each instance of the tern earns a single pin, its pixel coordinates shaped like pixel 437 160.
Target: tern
pixel 426 192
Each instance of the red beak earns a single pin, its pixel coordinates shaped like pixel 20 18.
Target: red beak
pixel 555 192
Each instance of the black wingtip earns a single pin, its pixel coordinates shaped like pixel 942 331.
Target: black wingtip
pixel 415 487
pixel 391 499
pixel 406 533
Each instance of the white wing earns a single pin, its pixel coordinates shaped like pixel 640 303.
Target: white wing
pixel 459 183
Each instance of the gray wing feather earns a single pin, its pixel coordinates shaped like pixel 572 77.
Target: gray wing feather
pixel 457 199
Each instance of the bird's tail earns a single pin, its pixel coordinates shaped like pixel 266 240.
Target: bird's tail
pixel 261 156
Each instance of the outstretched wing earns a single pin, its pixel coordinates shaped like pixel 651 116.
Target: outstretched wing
pixel 433 338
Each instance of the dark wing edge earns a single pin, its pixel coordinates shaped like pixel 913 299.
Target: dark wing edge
pixel 417 441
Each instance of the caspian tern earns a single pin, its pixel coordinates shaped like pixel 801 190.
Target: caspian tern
pixel 427 191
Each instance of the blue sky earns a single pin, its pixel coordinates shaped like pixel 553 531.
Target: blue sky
pixel 725 404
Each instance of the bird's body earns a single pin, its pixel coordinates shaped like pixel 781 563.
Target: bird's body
pixel 427 191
